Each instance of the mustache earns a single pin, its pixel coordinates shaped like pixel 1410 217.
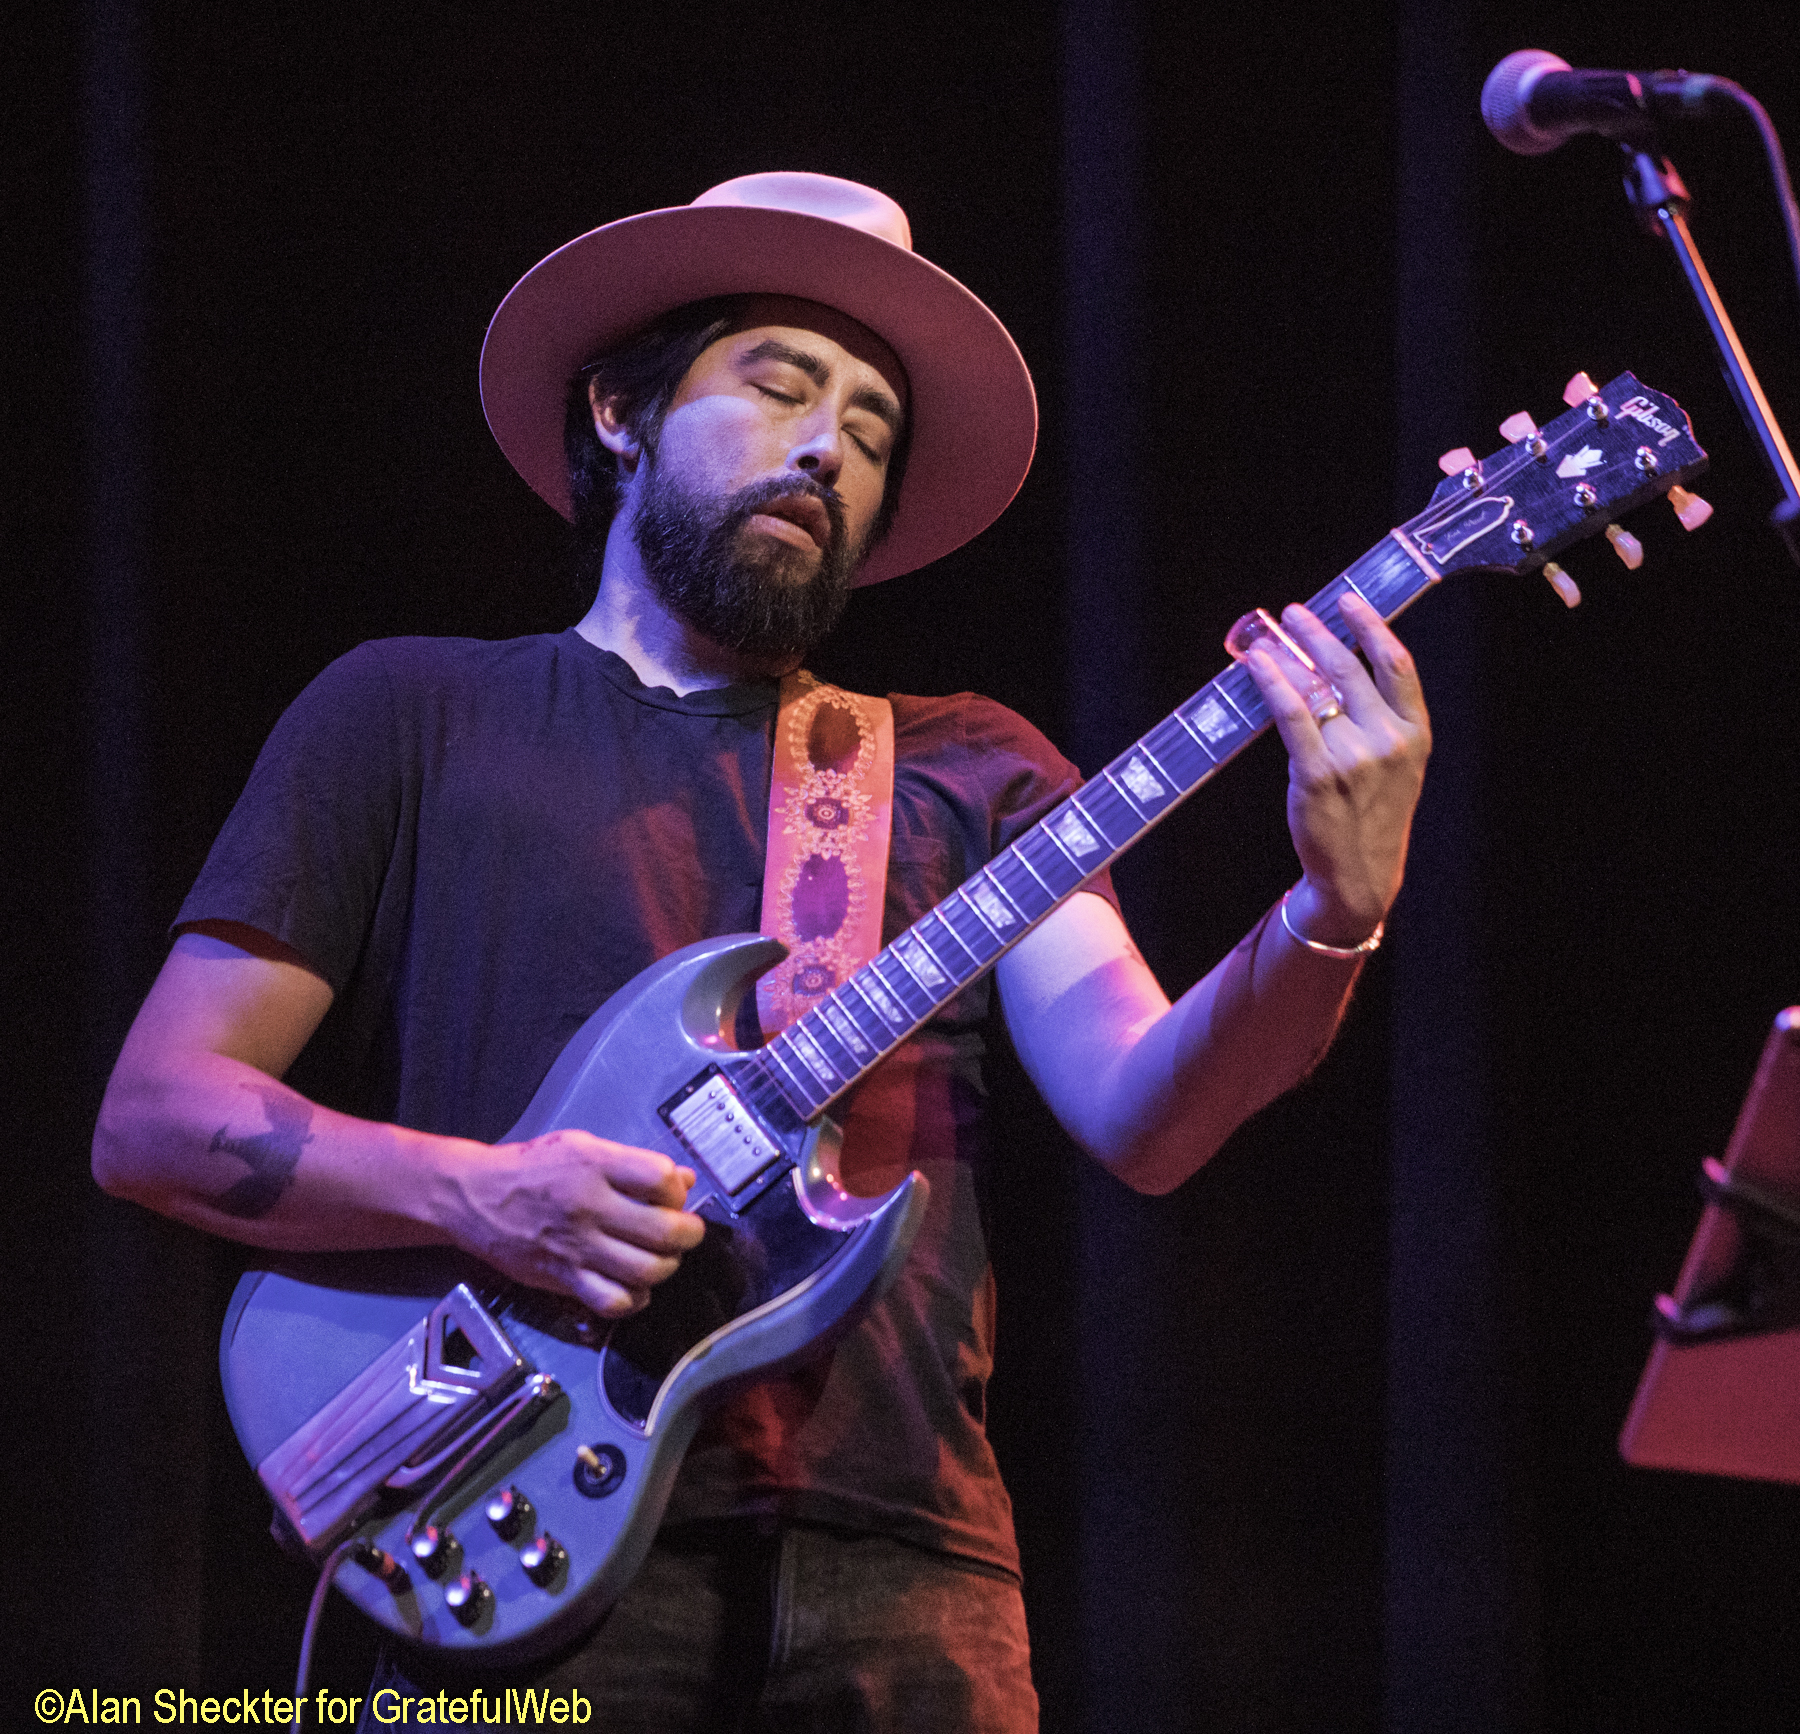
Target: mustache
pixel 754 497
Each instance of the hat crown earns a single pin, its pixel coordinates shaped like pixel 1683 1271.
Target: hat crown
pixel 838 201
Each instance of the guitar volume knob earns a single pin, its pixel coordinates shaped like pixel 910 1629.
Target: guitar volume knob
pixel 468 1598
pixel 543 1560
pixel 509 1511
pixel 435 1549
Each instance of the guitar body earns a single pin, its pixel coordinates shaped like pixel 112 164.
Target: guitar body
pixel 385 1396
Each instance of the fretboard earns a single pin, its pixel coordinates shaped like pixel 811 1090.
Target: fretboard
pixel 864 1018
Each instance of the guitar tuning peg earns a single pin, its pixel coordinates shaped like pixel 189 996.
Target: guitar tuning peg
pixel 1517 427
pixel 1579 389
pixel 1690 508
pixel 1454 463
pixel 1563 584
pixel 1626 546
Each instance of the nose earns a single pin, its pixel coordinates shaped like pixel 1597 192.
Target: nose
pixel 819 451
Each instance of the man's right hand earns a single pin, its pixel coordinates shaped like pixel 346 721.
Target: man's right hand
pixel 196 1124
pixel 575 1213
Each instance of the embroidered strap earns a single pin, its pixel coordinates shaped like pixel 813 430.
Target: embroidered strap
pixel 831 808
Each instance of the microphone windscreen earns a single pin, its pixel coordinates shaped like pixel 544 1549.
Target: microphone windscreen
pixel 1506 101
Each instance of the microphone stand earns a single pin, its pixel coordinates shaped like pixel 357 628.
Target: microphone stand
pixel 1661 201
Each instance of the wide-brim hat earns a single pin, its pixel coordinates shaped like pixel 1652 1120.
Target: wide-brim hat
pixel 972 410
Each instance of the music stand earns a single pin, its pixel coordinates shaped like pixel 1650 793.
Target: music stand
pixel 1721 1392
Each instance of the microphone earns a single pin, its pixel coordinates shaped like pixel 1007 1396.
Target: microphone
pixel 1533 101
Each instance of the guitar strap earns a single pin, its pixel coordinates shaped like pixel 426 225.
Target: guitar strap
pixel 831 810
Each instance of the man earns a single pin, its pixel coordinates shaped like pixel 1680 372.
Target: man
pixel 451 852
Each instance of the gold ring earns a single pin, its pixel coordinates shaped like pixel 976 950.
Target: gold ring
pixel 1328 712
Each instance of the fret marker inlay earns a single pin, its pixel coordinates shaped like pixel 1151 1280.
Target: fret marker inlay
pixel 913 954
pixel 1074 835
pixel 1138 778
pixel 1212 719
pixel 989 902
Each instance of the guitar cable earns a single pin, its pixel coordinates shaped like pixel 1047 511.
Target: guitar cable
pixel 314 1613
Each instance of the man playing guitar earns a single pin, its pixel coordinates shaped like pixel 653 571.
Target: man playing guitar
pixel 451 852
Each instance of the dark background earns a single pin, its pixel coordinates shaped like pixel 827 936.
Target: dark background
pixel 1325 1440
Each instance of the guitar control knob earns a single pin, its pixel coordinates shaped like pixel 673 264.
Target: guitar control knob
pixel 509 1511
pixel 468 1598
pixel 1690 508
pixel 543 1559
pixel 1626 546
pixel 435 1549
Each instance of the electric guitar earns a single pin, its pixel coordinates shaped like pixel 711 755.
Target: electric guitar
pixel 486 1464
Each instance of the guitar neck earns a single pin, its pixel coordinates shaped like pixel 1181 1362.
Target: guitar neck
pixel 860 1022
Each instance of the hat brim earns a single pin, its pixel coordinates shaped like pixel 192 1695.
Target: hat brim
pixel 973 412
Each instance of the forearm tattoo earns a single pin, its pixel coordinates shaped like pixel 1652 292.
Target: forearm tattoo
pixel 271 1156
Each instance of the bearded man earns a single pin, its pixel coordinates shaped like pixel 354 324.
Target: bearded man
pixel 451 852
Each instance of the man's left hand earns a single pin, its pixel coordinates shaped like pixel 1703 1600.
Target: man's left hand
pixel 1353 779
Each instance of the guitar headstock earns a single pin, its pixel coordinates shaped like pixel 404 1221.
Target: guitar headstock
pixel 1611 451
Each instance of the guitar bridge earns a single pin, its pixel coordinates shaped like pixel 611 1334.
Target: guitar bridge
pixel 396 1422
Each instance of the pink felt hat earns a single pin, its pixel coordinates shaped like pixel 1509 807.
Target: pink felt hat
pixel 974 414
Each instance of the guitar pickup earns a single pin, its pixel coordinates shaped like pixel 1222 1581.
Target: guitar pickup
pixel 395 1423
pixel 719 1130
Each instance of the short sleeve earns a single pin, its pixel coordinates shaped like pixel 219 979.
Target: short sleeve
pixel 304 853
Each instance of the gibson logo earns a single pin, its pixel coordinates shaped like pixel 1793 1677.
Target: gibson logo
pixel 1641 409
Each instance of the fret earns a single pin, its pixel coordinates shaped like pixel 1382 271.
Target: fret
pixel 886 1008
pixel 1240 692
pixel 1213 721
pixel 991 902
pixel 1142 784
pixel 940 940
pixel 905 991
pixel 812 1055
pixel 1023 888
pixel 853 999
pixel 819 1032
pixel 762 1085
pixel 1049 861
pixel 973 933
pixel 1389 578
pixel 801 1088
pixel 843 1026
pixel 1068 828
pixel 1350 583
pixel 1174 747
pixel 1111 812
pixel 918 967
pixel 1331 617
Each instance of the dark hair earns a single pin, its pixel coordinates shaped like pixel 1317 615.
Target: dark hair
pixel 643 374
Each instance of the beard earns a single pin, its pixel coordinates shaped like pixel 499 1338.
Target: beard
pixel 752 595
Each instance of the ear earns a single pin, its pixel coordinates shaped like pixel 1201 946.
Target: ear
pixel 611 430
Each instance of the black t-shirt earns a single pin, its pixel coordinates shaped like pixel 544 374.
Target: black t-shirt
pixel 477 843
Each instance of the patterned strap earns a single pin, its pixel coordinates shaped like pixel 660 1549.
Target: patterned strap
pixel 831 809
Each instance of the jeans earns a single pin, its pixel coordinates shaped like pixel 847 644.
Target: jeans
pixel 740 1628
